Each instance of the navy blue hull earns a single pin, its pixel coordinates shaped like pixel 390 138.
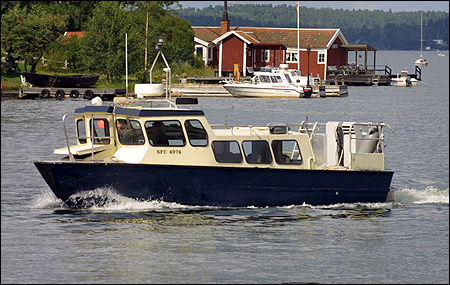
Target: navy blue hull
pixel 218 186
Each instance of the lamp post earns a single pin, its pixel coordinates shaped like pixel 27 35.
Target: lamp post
pixel 307 91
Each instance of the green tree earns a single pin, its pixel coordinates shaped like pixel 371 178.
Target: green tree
pixel 104 43
pixel 29 33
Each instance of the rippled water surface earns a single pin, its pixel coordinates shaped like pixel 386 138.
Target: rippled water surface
pixel 126 241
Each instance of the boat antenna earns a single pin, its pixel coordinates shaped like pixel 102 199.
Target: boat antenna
pixel 167 70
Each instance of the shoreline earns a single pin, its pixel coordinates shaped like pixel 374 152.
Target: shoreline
pixel 178 90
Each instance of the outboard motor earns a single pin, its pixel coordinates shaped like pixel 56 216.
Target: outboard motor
pixel 408 81
pixel 369 146
pixel 307 91
pixel 322 91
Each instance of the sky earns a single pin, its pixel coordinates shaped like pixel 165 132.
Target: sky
pixel 395 6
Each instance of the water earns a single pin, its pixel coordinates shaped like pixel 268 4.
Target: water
pixel 406 241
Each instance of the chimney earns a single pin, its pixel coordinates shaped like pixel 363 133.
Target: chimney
pixel 225 23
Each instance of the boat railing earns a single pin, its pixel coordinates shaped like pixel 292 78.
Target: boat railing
pixel 153 102
pixel 351 130
pixel 91 137
pixel 120 101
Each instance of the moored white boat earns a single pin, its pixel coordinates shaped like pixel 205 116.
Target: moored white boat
pixel 404 80
pixel 283 83
pixel 266 84
pixel 421 61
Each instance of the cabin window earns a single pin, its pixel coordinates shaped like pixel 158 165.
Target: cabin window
pixel 276 79
pixel 286 152
pixel 100 131
pixel 321 58
pixel 165 133
pixel 196 133
pixel 81 131
pixel 129 132
pixel 257 152
pixel 264 78
pixel 227 151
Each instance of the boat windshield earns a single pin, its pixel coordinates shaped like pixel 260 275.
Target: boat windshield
pixel 288 78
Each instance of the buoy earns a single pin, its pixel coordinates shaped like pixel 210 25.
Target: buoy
pixel 97 101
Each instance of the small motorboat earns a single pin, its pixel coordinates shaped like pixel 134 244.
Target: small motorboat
pixel 270 83
pixel 281 82
pixel 67 81
pixel 421 62
pixel 404 80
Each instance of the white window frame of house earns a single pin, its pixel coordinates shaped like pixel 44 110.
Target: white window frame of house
pixel 321 57
pixel 197 47
pixel 289 55
pixel 205 54
pixel 265 54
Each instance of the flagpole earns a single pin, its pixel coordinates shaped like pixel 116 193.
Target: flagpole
pixel 298 38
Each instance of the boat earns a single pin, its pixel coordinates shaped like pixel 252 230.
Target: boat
pixel 198 163
pixel 164 149
pixel 67 81
pixel 404 80
pixel 266 83
pixel 421 61
pixel 281 82
pixel 441 54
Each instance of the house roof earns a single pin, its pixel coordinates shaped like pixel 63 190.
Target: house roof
pixel 316 38
pixel 74 34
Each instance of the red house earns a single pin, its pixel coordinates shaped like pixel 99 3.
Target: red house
pixel 225 48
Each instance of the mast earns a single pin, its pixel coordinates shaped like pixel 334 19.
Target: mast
pixel 421 34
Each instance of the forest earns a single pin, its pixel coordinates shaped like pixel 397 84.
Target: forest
pixel 382 30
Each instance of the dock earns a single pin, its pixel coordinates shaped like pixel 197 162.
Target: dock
pixel 199 90
pixel 358 76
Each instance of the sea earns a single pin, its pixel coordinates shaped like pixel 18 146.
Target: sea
pixel 129 241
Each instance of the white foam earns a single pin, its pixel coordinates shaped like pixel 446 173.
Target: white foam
pixel 117 202
pixel 46 200
pixel 416 196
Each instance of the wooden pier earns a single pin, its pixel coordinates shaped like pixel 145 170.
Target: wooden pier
pixel 358 76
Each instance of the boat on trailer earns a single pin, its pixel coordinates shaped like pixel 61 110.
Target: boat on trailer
pixel 197 163
pixel 59 80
